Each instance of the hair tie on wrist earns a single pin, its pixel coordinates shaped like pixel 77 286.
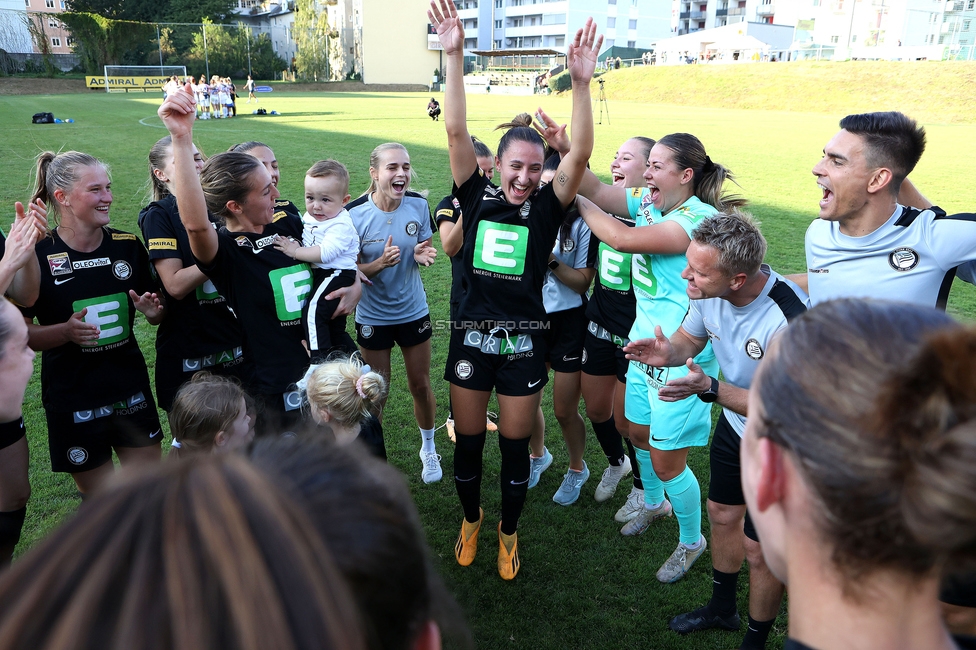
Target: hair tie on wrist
pixel 359 386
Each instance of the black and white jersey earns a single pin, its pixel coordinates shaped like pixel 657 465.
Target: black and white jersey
pixel 612 304
pixel 911 258
pixel 77 377
pixel 200 323
pixel 740 336
pixel 285 208
pixel 449 209
pixel 267 290
pixel 506 253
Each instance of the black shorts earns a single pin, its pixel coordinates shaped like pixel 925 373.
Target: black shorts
pixel 173 372
pixel 601 358
pixel 11 432
pixel 725 484
pixel 83 440
pixel 279 413
pixel 516 375
pixel 384 337
pixel 564 339
pixel 323 332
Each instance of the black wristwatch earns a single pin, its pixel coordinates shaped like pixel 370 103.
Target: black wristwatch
pixel 711 394
pixel 553 264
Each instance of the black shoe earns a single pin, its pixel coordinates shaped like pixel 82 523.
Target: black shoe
pixel 703 619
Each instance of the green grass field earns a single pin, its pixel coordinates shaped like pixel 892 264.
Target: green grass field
pixel 582 585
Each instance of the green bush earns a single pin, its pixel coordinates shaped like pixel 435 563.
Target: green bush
pixel 560 82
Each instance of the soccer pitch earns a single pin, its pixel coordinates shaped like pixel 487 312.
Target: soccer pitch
pixel 582 585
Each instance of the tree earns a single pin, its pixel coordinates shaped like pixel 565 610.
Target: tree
pixel 227 52
pixel 312 34
pixel 103 41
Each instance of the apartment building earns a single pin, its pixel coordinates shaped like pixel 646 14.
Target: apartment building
pixel 552 24
pixel 44 14
pixel 274 18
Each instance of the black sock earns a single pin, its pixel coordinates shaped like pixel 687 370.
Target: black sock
pixel 723 592
pixel 610 441
pixel 756 634
pixel 11 523
pixel 634 465
pixel 514 479
pixel 467 473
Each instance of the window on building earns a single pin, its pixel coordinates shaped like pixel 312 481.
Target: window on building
pixel 55 41
pixel 516 3
pixel 611 2
pixel 966 24
pixel 972 3
pixel 27 2
pixel 70 42
pixel 498 44
pixel 53 24
pixel 498 24
pixel 559 41
pixel 608 42
pixel 835 39
pixel 62 5
pixel 853 38
pixel 554 19
pixel 942 39
pixel 49 4
pixel 631 43
pixel 611 22
pixel 498 4
pixel 517 21
pixel 632 24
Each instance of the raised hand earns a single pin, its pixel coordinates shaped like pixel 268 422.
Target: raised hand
pixel 391 253
pixel 652 352
pixel 37 211
pixel 553 133
pixel 424 254
pixel 443 16
pixel 178 111
pixel 582 52
pixel 78 331
pixel 149 304
pixel 21 239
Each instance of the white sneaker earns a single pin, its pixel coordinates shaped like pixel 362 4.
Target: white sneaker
pixel 631 507
pixel 680 562
pixel 432 466
pixel 611 479
pixel 538 465
pixel 645 518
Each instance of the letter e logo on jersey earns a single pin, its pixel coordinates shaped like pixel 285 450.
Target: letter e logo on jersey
pixel 463 369
pixel 291 288
pixel 643 275
pixel 754 349
pixel 500 248
pixel 903 259
pixel 207 291
pixel 614 268
pixel 109 313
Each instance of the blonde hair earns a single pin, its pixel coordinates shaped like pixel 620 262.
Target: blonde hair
pixel 374 163
pixel 60 171
pixel 203 407
pixel 345 388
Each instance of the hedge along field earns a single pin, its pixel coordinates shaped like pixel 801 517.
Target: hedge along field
pixel 582 585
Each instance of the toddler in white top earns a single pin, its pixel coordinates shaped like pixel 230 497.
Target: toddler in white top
pixel 331 244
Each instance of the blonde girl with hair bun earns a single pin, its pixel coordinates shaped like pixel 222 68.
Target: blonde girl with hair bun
pixel 347 396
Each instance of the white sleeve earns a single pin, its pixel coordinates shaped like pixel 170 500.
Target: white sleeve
pixel 694 322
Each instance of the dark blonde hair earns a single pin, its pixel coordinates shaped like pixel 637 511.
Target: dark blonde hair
pixel 330 169
pixel 735 235
pixel 872 415
pixel 519 130
pixel 206 553
pixel 374 163
pixel 59 171
pixel 203 407
pixel 341 387
pixel 366 517
pixel 709 177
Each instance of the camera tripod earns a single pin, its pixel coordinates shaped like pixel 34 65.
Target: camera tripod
pixel 602 101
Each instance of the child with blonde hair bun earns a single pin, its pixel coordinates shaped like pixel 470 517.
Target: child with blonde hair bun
pixel 346 395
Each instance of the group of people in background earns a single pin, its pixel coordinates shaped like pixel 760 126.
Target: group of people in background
pixel 216 98
pixel 842 467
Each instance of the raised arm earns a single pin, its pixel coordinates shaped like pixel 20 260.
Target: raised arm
pixel 657 239
pixel 20 275
pixel 178 113
pixel 909 195
pixel 581 62
pixel 443 16
pixel 609 198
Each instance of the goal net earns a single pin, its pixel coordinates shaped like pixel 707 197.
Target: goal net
pixel 120 78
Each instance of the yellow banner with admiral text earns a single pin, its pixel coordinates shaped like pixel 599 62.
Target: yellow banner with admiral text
pixel 140 82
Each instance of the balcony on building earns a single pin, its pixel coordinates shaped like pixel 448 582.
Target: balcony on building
pixel 697 15
pixel 766 10
pixel 737 11
pixel 954 5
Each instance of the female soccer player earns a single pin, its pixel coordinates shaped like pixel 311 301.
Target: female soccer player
pixel 199 331
pixel 683 186
pixel 265 288
pixel 508 234
pixel 94 383
pixel 857 467
pixel 395 241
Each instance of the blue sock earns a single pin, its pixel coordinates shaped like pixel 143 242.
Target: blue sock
pixel 685 497
pixel 653 487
